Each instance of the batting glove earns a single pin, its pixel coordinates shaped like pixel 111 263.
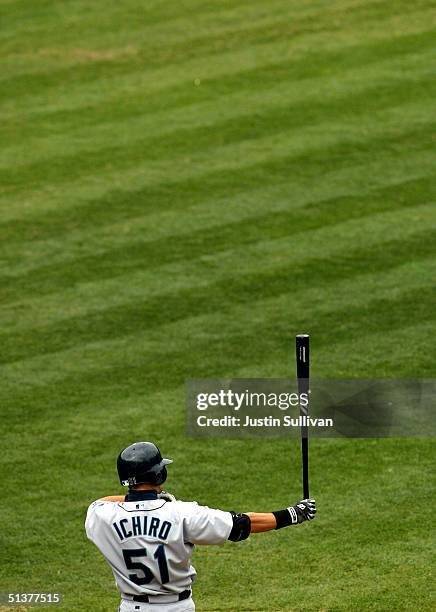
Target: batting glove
pixel 166 496
pixel 305 510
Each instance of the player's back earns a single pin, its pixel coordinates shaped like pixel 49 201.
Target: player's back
pixel 148 542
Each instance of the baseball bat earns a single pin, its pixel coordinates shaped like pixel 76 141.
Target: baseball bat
pixel 302 354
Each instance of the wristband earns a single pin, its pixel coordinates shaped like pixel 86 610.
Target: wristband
pixel 286 517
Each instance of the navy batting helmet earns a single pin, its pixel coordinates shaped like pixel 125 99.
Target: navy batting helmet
pixel 142 462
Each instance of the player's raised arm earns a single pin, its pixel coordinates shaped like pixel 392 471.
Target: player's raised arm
pixel 305 510
pixel 258 522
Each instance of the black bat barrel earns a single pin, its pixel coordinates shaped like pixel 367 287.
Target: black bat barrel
pixel 302 355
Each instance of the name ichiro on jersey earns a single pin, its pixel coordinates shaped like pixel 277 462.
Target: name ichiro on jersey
pixel 142 525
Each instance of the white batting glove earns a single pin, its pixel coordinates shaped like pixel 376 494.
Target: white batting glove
pixel 166 496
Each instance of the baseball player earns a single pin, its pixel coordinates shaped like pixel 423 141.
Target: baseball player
pixel 148 537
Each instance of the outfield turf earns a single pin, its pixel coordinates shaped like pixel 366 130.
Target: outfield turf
pixel 184 186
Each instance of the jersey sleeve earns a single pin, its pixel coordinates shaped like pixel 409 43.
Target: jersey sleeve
pixel 91 521
pixel 203 525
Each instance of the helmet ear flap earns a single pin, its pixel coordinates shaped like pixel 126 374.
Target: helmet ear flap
pixel 156 476
pixel 161 476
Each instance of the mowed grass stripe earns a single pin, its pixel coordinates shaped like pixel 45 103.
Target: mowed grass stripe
pixel 217 296
pixel 45 19
pixel 98 90
pixel 154 370
pixel 136 347
pixel 103 477
pixel 162 49
pixel 222 173
pixel 366 355
pixel 152 134
pixel 186 104
pixel 242 165
pixel 234 203
pixel 140 27
pixel 216 213
pixel 209 241
pixel 217 131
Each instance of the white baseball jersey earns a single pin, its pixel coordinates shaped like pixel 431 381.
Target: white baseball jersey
pixel 149 543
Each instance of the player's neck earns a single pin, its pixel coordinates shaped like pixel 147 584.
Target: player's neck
pixel 141 495
pixel 143 492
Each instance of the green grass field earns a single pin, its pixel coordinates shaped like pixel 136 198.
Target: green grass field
pixel 185 186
